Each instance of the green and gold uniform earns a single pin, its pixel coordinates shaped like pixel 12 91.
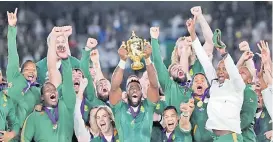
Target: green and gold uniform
pixel 178 135
pixel 90 99
pixel 198 120
pixel 248 112
pixel 174 92
pixel 38 125
pixel 196 68
pixel 42 71
pixel 8 119
pixel 132 129
pixel 23 100
pixel 263 124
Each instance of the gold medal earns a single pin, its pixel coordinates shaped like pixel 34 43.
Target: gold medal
pixel 5 98
pixel 85 108
pixel 262 115
pixel 200 104
pixel 55 126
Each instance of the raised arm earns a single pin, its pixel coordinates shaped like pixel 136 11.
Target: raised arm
pixel 84 65
pixel 206 30
pixel 95 58
pixel 200 52
pixel 13 57
pixel 79 126
pixel 232 71
pixel 246 58
pixel 69 95
pixel 115 95
pixel 53 73
pixel 153 91
pixel 186 109
pixel 266 61
pixel 162 71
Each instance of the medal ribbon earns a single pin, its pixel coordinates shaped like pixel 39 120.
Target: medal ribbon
pixel 203 96
pixel 256 128
pixel 55 118
pixel 29 84
pixel 133 113
pixel 169 139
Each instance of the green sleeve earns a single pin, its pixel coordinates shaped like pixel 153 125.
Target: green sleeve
pixel 249 108
pixel 84 65
pixel 28 129
pixel 75 63
pixel 162 71
pixel 160 106
pixel 13 57
pixel 69 95
pixel 13 122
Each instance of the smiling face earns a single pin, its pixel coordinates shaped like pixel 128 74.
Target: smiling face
pixel 200 84
pixel 61 43
pixel 49 95
pixel 134 93
pixel 77 75
pixel 177 73
pixel 170 119
pixel 103 87
pixel 246 75
pixel 29 71
pixel 222 73
pixel 103 121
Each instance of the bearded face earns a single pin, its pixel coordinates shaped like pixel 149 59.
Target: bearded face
pixel 103 87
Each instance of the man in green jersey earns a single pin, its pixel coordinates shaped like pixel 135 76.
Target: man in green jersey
pixel 134 120
pixel 55 121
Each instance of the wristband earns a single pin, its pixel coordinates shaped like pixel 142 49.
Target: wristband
pixel 122 64
pixel 86 48
pixel 148 61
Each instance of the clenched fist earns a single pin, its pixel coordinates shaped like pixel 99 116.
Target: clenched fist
pixel 94 55
pixel 196 11
pixel 154 32
pixel 191 25
pixel 122 52
pixel 12 17
pixel 244 46
pixel 67 30
pixel 147 50
pixel 56 31
pixel 91 43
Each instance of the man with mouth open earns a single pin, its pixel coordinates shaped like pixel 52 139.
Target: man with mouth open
pixel 246 66
pixel 55 121
pixel 226 94
pixel 177 129
pixel 22 89
pixel 175 93
pixel 134 120
pixel 62 51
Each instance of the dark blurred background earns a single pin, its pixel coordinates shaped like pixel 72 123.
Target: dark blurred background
pixel 112 22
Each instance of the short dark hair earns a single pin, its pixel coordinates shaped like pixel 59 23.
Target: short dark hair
pixel 170 108
pixel 43 87
pixel 25 63
pixel 78 69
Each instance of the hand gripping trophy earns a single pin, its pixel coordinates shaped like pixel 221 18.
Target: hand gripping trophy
pixel 135 48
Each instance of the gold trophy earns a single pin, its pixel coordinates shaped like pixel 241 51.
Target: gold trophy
pixel 135 49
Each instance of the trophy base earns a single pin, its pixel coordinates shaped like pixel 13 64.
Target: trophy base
pixel 137 66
